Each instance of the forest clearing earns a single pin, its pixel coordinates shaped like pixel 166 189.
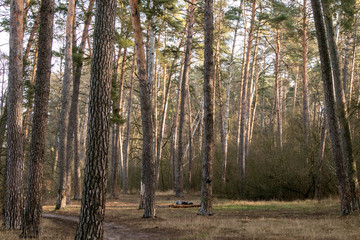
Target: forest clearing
pixel 232 219
pixel 248 109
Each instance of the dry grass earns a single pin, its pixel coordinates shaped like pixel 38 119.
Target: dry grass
pixel 51 230
pixel 231 220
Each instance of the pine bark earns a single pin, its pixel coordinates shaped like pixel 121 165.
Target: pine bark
pixel 208 154
pixel 341 111
pixel 64 116
pixel 33 207
pixel 94 190
pixel 14 196
pixel 326 70
pixel 148 164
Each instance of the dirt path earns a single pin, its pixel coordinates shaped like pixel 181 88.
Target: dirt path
pixel 112 231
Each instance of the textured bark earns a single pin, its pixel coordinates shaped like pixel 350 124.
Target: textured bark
pixel 306 114
pixel 74 109
pixel 14 196
pixel 128 130
pixel 64 116
pixel 94 191
pixel 33 207
pixel 245 99
pixel 148 168
pixel 184 96
pixel 341 111
pixel 208 154
pixel 342 177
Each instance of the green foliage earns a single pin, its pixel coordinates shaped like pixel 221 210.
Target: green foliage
pixel 233 13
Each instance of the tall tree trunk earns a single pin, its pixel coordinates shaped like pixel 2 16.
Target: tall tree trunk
pixel 306 114
pixel 27 117
pixel 244 99
pixel 92 211
pixel 295 89
pixel 341 173
pixel 277 91
pixel 74 109
pixel 72 123
pixel 188 103
pixel 64 117
pixel 353 61
pixel 227 104
pixel 174 140
pixel 33 206
pixel 117 154
pixel 208 155
pixel 128 129
pixel 184 96
pixel 14 196
pixel 320 161
pixel 252 91
pixel 241 85
pixel 341 111
pixel 164 112
pixel 148 168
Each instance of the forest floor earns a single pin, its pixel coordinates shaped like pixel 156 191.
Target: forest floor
pixel 231 220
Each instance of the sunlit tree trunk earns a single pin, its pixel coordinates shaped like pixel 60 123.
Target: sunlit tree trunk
pixel 164 113
pixel 245 98
pixel 14 196
pixel 75 100
pixel 227 103
pixel 241 84
pixel 184 96
pixel 320 159
pixel 277 91
pixel 341 173
pixel 64 116
pixel 33 205
pixel 209 115
pixel 306 114
pixel 128 130
pixel 92 211
pixel 341 111
pixel 148 164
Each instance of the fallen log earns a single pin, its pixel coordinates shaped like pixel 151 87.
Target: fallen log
pixel 184 206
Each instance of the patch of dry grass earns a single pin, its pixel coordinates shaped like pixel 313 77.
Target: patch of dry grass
pixel 231 220
pixel 51 230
